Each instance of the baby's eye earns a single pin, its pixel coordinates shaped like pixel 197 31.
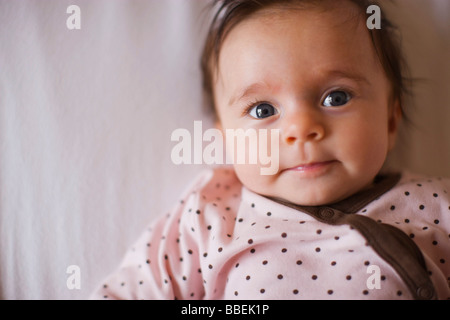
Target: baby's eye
pixel 262 111
pixel 336 99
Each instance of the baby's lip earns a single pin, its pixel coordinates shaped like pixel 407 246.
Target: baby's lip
pixel 311 165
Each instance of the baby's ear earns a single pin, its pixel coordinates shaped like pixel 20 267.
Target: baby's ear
pixel 395 117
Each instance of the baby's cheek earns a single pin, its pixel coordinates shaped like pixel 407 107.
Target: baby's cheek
pixel 255 159
pixel 251 177
pixel 367 153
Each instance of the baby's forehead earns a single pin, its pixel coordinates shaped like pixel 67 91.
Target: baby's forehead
pixel 343 11
pixel 337 14
pixel 338 20
pixel 279 31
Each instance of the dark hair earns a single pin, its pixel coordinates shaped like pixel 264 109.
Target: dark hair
pixel 231 12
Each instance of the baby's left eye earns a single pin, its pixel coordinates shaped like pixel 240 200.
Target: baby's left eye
pixel 336 99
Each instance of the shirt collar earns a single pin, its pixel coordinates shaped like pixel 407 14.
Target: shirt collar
pixel 381 184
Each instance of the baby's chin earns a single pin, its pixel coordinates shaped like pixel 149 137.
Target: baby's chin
pixel 301 197
pixel 317 195
pixel 323 190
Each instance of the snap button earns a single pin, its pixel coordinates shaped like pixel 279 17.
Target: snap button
pixel 425 292
pixel 326 213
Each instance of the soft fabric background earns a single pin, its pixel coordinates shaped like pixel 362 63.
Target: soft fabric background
pixel 86 118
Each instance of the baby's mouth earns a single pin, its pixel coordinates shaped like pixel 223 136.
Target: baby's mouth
pixel 312 166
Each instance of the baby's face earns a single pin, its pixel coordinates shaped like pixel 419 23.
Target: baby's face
pixel 315 77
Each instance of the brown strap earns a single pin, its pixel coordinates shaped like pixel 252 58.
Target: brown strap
pixel 391 244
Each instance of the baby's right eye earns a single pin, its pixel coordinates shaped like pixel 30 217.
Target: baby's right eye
pixel 262 110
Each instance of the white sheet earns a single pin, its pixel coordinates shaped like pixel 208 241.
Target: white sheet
pixel 86 117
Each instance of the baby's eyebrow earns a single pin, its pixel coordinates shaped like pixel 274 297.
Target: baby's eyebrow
pixel 348 75
pixel 246 91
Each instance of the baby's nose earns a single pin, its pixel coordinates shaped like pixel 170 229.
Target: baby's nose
pixel 302 127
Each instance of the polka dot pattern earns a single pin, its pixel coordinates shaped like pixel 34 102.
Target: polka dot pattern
pixel 223 241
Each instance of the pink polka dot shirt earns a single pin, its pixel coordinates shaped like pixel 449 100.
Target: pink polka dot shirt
pixel 223 241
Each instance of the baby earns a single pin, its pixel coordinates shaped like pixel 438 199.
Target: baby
pixel 330 223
